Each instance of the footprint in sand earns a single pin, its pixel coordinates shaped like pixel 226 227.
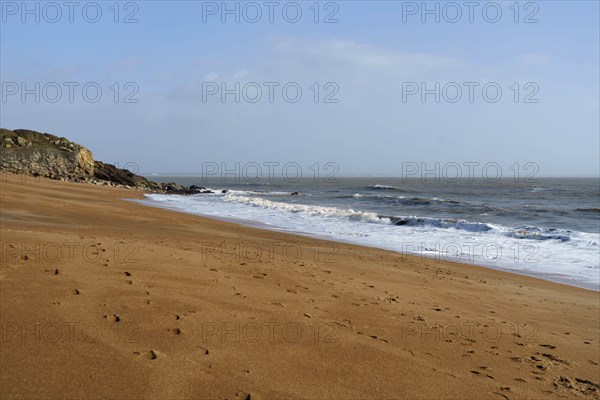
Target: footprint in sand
pixel 481 374
pixel 468 353
pixel 378 338
pixel 539 363
pixel 553 358
pixel 204 351
pixel 114 317
pixel 372 337
pixel 151 354
pixel 345 323
pixel 502 394
pixel 578 386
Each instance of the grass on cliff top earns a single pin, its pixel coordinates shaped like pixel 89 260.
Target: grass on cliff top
pixel 38 140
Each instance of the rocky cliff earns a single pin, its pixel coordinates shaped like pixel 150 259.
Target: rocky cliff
pixel 33 153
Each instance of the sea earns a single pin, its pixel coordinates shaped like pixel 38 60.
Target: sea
pixel 549 228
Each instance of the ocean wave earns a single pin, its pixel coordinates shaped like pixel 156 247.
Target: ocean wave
pixel 255 199
pixel 328 212
pixel 537 233
pixel 444 223
pixel 362 216
pixel 401 200
pixel 420 201
pixel 255 192
pixel 594 210
pixel 387 187
pixel 520 232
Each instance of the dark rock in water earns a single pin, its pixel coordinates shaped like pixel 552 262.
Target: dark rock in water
pixel 175 188
pixel 172 187
pixel 295 193
pixel 224 191
pixel 394 220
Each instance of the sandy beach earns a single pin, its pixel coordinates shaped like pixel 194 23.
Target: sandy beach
pixel 105 298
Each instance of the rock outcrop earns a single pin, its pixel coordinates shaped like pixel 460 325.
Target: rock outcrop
pixel 123 177
pixel 26 152
pixel 32 153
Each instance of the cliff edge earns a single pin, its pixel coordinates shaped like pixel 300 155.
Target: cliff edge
pixel 26 152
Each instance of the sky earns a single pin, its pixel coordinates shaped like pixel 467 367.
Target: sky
pixel 370 86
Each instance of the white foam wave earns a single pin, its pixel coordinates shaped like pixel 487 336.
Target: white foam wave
pixel 561 255
pixel 328 212
pixel 385 187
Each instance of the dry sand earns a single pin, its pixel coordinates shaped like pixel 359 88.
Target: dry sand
pixel 105 298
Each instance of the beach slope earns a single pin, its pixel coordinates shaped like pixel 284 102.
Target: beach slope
pixel 105 298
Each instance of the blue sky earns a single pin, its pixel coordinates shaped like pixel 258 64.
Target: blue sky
pixel 370 58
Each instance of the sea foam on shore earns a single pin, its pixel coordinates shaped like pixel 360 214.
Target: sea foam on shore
pixel 477 233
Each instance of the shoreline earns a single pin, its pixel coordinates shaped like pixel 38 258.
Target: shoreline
pixel 372 324
pixel 554 278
